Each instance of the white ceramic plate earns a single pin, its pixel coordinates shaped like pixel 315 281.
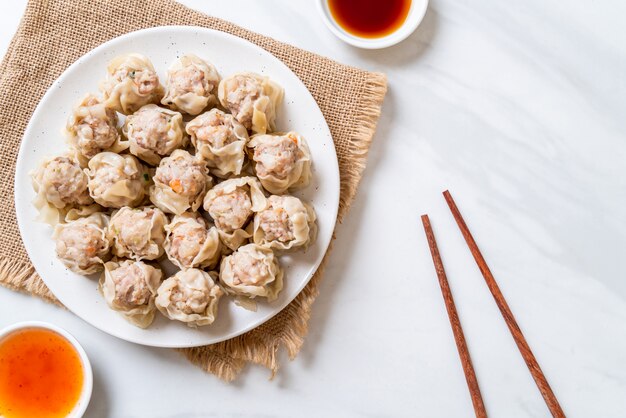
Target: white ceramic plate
pixel 299 112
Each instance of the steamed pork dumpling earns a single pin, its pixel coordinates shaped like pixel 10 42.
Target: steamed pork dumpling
pixel 138 233
pixel 130 287
pixel 92 128
pixel 60 183
pixel 231 205
pixel 180 182
pixel 233 201
pixel 190 296
pixel 285 223
pixel 220 140
pixel 154 132
pixel 191 242
pixel 82 245
pixel 117 180
pixel 252 271
pixel 281 161
pixel 131 83
pixel 252 99
pixel 191 85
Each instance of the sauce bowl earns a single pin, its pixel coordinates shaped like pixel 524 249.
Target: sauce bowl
pixel 412 21
pixel 85 394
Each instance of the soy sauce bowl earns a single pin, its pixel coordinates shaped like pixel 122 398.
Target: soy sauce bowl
pixel 412 21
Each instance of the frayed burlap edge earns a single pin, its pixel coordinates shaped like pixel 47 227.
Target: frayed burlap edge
pixel 23 278
pixel 371 105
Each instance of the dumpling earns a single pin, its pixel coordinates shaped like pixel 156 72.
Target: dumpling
pixel 92 128
pixel 281 161
pixel 285 223
pixel 190 296
pixel 220 140
pixel 154 132
pixel 82 245
pixel 180 182
pixel 131 83
pixel 190 242
pixel 191 85
pixel 138 233
pixel 117 180
pixel 231 204
pixel 130 287
pixel 253 100
pixel 252 271
pixel 60 183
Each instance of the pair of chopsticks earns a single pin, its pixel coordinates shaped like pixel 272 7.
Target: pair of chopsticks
pixel 516 332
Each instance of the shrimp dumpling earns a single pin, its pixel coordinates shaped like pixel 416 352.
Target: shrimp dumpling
pixel 129 287
pixel 180 183
pixel 131 83
pixel 252 99
pixel 220 140
pixel 60 183
pixel 231 205
pixel 154 132
pixel 252 271
pixel 190 296
pixel 82 245
pixel 192 242
pixel 281 161
pixel 117 180
pixel 92 128
pixel 138 233
pixel 191 85
pixel 285 223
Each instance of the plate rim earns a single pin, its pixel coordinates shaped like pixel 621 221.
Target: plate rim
pixel 19 167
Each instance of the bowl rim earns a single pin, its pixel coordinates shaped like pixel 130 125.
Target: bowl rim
pixel 86 391
pixel 413 20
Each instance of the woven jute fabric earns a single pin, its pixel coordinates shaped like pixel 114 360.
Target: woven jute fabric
pixel 54 33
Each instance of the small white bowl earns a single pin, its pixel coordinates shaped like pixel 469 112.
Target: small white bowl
pixel 413 19
pixel 85 394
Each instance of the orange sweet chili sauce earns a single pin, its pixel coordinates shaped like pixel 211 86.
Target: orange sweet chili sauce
pixel 41 375
pixel 370 18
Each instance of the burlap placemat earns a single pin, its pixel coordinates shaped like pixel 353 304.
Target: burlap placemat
pixel 54 33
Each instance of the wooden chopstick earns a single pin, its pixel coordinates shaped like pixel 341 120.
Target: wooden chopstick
pixel 457 330
pixel 516 332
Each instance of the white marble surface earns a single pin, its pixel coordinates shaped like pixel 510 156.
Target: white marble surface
pixel 516 107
